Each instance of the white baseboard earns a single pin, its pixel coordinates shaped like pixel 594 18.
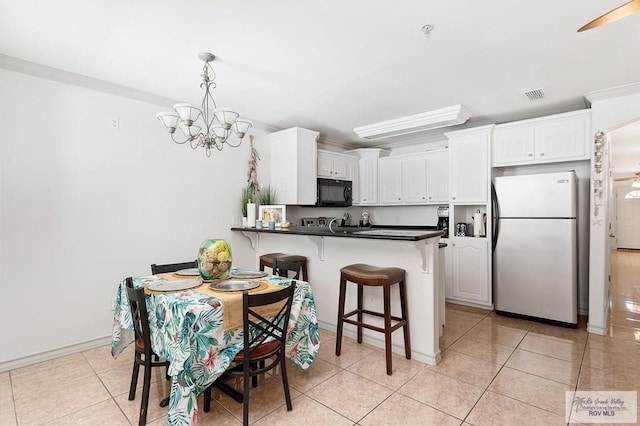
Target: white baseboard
pixel 431 359
pixel 596 329
pixel 471 304
pixel 54 353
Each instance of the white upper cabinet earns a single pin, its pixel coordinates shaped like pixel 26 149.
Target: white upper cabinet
pixel 403 179
pixel 562 137
pixel 419 178
pixel 414 179
pixel 469 165
pixel 438 176
pixel 391 180
pixel 334 165
pixel 365 190
pixel 293 165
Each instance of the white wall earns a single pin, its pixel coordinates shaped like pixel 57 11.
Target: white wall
pixel 84 205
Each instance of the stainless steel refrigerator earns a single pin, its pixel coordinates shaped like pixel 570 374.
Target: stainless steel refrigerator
pixel 535 246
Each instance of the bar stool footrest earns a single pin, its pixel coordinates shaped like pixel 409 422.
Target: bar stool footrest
pixel 400 321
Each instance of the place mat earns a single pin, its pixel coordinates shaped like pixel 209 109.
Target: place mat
pixel 232 300
pixel 232 303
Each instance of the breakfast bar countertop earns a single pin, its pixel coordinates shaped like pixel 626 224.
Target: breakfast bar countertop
pixel 402 233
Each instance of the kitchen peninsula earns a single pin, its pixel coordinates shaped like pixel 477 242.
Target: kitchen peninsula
pixel 414 250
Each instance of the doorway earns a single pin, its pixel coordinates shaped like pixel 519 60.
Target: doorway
pixel 624 220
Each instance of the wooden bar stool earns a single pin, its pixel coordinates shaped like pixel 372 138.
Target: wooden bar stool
pixel 367 275
pixel 267 260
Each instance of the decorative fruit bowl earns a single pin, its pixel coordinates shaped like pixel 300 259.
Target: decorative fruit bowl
pixel 214 259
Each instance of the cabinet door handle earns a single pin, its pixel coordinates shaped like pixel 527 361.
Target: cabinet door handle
pixel 542 154
pixel 530 154
pixel 430 197
pixel 453 198
pixel 453 244
pixel 399 198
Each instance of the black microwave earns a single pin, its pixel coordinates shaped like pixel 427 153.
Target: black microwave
pixel 334 193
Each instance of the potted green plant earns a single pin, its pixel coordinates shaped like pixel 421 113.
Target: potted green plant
pixel 247 196
pixel 267 196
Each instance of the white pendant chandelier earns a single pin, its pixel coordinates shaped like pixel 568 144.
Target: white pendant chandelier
pixel 209 126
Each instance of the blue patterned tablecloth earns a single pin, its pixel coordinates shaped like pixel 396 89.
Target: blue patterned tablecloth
pixel 187 329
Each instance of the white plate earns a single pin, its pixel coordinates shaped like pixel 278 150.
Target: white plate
pixel 248 274
pixel 174 285
pixel 191 272
pixel 233 285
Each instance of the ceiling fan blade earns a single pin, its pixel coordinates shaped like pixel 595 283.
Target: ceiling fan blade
pixel 618 13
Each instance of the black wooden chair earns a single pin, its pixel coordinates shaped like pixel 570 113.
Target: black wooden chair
pixel 144 355
pixel 172 267
pixel 265 339
pixel 163 269
pixel 283 267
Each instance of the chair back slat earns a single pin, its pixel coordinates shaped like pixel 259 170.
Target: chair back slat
pixel 139 315
pixel 172 267
pixel 256 327
pixel 283 268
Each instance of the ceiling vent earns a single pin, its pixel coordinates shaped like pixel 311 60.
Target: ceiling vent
pixel 535 94
pixel 436 119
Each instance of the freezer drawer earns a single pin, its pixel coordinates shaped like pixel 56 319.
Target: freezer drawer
pixel 536 268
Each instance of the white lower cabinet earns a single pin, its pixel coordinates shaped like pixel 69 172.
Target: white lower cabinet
pixel 470 272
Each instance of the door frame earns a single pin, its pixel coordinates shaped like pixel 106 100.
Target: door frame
pixel 610 110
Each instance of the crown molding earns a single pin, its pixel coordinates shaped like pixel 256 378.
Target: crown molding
pixel 444 117
pixel 613 92
pixel 38 70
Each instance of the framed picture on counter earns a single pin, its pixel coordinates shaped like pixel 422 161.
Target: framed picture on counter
pixel 277 213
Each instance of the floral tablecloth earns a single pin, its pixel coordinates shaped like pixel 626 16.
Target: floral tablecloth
pixel 187 329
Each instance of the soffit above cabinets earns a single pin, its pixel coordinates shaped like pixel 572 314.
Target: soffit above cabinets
pixel 444 117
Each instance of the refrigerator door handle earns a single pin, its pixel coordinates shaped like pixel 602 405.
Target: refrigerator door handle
pixel 495 207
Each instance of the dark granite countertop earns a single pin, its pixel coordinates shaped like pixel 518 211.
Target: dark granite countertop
pixel 402 233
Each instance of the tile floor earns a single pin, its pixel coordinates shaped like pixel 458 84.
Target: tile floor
pixel 494 370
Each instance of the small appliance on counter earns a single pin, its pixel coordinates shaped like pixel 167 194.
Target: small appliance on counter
pixel 479 223
pixel 462 229
pixel 365 220
pixel 443 220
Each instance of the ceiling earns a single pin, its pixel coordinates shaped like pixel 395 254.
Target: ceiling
pixel 334 65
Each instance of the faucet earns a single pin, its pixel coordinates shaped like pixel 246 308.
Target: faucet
pixel 331 223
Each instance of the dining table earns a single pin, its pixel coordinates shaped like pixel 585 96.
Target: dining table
pixel 199 331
